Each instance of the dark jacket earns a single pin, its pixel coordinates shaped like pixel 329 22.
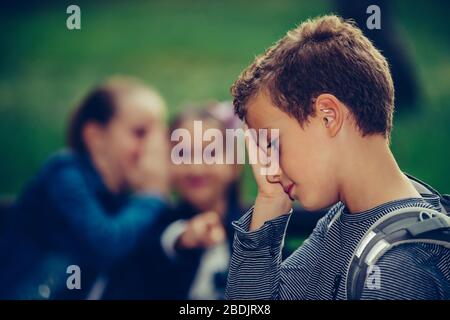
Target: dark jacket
pixel 67 216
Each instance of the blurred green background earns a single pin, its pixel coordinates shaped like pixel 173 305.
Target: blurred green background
pixel 190 51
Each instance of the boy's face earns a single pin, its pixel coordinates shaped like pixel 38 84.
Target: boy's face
pixel 307 155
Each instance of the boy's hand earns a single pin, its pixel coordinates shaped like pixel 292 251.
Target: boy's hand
pixel 203 231
pixel 271 200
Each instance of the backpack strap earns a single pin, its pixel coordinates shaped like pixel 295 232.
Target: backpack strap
pixel 414 224
pixel 425 189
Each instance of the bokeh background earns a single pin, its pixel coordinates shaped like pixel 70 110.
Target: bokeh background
pixel 191 51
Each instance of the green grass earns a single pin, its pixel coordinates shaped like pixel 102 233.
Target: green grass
pixel 190 51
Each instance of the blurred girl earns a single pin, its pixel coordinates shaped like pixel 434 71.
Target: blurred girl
pixel 90 205
pixel 198 240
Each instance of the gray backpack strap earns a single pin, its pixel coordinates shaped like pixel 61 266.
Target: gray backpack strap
pixel 425 189
pixel 405 225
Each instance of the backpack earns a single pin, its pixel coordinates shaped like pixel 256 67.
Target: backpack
pixel 401 226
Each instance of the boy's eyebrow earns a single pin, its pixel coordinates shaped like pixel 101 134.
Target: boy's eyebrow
pixel 266 124
pixel 269 124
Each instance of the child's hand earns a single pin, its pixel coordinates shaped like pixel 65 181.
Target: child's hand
pixel 271 201
pixel 203 231
pixel 151 173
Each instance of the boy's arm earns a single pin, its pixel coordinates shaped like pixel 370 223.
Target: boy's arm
pixel 255 263
pixel 257 270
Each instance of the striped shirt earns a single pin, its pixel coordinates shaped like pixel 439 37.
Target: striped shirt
pixel 408 271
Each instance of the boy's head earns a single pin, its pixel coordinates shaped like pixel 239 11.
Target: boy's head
pixel 328 90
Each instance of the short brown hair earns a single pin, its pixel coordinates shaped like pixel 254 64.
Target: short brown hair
pixel 323 55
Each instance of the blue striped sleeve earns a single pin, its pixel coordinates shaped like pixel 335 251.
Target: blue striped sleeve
pixel 255 264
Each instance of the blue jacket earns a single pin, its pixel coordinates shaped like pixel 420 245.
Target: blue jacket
pixel 67 216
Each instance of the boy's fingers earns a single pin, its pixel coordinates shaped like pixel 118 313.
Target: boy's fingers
pixel 250 139
pixel 257 155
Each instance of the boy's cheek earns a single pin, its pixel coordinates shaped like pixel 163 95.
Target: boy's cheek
pixel 310 199
pixel 306 199
pixel 315 192
pixel 293 168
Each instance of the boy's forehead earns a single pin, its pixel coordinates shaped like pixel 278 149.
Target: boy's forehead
pixel 261 113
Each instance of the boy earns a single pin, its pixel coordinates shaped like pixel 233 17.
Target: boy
pixel 330 93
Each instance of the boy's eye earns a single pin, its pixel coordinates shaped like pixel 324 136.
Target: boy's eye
pixel 272 143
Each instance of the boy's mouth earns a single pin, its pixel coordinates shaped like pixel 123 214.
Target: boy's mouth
pixel 288 190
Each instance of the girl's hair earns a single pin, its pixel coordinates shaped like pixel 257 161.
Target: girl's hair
pixel 99 106
pixel 223 113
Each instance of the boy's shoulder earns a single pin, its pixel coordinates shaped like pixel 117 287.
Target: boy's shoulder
pixel 413 271
pixel 418 253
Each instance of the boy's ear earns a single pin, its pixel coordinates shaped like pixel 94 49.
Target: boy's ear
pixel 330 112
